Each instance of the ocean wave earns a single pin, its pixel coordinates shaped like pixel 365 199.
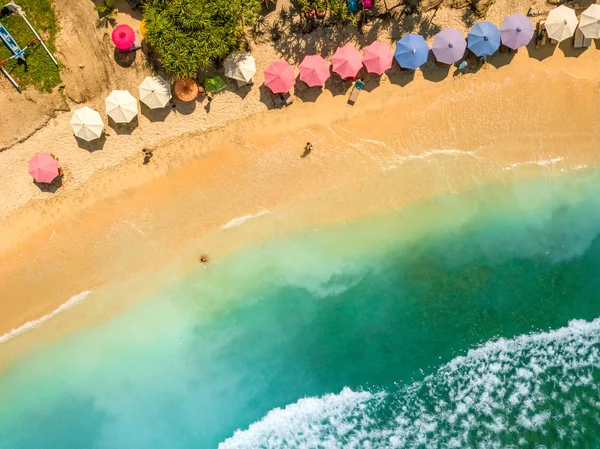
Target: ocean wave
pixel 244 218
pixel 541 387
pixel 80 297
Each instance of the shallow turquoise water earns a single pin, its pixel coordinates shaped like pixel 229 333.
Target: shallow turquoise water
pixel 448 324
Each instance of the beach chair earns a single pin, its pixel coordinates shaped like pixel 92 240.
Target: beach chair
pixel 355 91
pixel 352 5
pixel 287 98
pixel 579 40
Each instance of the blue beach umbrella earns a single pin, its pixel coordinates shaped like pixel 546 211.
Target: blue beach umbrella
pixel 411 51
pixel 484 39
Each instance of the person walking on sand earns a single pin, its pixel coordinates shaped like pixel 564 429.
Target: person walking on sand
pixel 147 155
pixel 307 149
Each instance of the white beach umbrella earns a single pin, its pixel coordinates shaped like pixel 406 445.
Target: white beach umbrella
pixel 87 124
pixel 155 92
pixel 590 22
pixel 561 23
pixel 240 66
pixel 121 106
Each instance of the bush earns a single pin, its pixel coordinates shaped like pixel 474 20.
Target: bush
pixel 189 34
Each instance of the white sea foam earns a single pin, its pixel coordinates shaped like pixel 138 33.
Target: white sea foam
pixel 492 397
pixel 540 163
pixel 74 300
pixel 428 154
pixel 244 218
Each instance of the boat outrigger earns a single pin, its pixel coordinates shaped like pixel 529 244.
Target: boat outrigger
pixel 18 52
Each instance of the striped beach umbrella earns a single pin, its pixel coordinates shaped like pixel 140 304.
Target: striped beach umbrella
pixel 590 22
pixel 484 39
pixel 449 46
pixel 314 70
pixel 561 23
pixel 377 57
pixel 346 61
pixel 516 31
pixel 411 51
pixel 279 77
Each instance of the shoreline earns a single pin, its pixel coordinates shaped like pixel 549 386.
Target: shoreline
pixel 110 229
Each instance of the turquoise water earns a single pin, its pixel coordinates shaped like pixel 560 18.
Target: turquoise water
pixel 470 321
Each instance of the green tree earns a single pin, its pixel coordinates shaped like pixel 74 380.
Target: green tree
pixel 189 34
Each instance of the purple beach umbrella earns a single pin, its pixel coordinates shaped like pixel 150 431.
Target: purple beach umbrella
pixel 449 46
pixel 516 31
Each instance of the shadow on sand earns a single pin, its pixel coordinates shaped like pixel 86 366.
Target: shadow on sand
pixel 94 145
pixel 123 128
pixel 51 187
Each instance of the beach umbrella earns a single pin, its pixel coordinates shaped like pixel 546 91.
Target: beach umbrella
pixel 121 106
pixel 87 124
pixel 186 89
pixel 411 51
pixel 484 39
pixel 123 37
pixel 590 22
pixel 279 77
pixel 346 61
pixel 314 70
pixel 561 23
pixel 449 46
pixel 516 31
pixel 377 57
pixel 155 92
pixel 43 167
pixel 240 66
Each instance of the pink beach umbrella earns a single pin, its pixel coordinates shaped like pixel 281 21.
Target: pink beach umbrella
pixel 314 70
pixel 123 37
pixel 279 77
pixel 377 58
pixel 43 167
pixel 346 61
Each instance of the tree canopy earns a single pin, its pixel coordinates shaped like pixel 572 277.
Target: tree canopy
pixel 189 34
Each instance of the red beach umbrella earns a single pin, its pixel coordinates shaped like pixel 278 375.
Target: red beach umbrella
pixel 314 70
pixel 43 167
pixel 377 58
pixel 346 61
pixel 123 37
pixel 279 77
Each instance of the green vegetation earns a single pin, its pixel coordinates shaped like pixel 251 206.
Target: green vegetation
pixel 39 71
pixel 189 34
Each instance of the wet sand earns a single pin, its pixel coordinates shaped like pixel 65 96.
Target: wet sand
pixel 132 228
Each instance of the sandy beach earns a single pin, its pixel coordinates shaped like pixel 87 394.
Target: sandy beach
pixel 410 137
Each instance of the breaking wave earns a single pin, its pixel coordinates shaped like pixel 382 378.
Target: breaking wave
pixel 538 390
pixel 74 300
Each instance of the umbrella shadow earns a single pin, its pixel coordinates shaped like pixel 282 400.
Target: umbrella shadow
pixel 544 52
pixel 123 128
pixel 337 86
pixel 372 81
pixel 267 97
pixel 240 91
pixel 184 107
pixel 569 51
pixel 306 93
pixel 51 187
pixel 434 71
pixel 399 76
pixel 94 145
pixel 155 115
pixel 124 58
pixel 500 59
